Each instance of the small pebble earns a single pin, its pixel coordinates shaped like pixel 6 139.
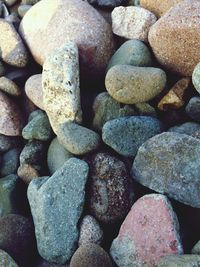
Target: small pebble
pixel 23 9
pixel 9 87
pixel 10 162
pixel 6 260
pixel 193 108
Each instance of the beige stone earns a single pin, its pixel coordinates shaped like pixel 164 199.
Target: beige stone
pixel 9 87
pixel 175 38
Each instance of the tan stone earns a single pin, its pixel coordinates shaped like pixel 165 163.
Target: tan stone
pixel 9 87
pixel 27 173
pixel 175 38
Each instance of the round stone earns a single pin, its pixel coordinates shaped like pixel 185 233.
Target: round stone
pixel 9 87
pixel 196 77
pixel 193 108
pixel 6 260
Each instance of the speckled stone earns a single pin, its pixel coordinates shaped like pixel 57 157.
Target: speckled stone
pixel 196 77
pixel 56 205
pixel 110 191
pixel 10 162
pixel 169 163
pixel 175 42
pixel 149 232
pixel 193 108
pixel 13 51
pixel 11 120
pixel 88 30
pixel 186 128
pixel 6 260
pixel 180 261
pixel 90 255
pixel 129 85
pixel 9 87
pixel 90 231
pixel 61 71
pixel 132 22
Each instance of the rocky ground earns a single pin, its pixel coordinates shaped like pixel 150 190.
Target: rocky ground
pixel 99 133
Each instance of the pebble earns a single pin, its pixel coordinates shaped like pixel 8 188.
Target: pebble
pixel 196 249
pixel 189 128
pixel 89 31
pixel 110 192
pixel 196 77
pixel 57 155
pixel 10 162
pixel 56 205
pixel 125 135
pixel 9 87
pixel 33 89
pixel 180 261
pixel 6 260
pixel 129 84
pixel 131 52
pixel 28 172
pixel 169 163
pixel 77 139
pixel 8 142
pixel 149 232
pixel 43 263
pixel 90 231
pixel 193 108
pixel 2 69
pixel 90 255
pixel 106 3
pixel 23 9
pixel 11 120
pixel 61 71
pixel 132 22
pixel 13 51
pixel 29 2
pixel 9 2
pixel 173 39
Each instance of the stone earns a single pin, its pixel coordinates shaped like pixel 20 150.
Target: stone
pixel 28 172
pixel 9 87
pixel 149 232
pixel 110 192
pixel 6 260
pixel 13 18
pixel 131 52
pixel 90 255
pixel 196 249
pixel 38 127
pixel 17 238
pixel 23 9
pixel 30 2
pixel 10 162
pixel 130 85
pixel 77 139
pixel 56 205
pixel 157 166
pixel 8 142
pixel 189 128
pixel 193 108
pixel 2 69
pixel 11 120
pixel 126 135
pixel 90 231
pixel 180 261
pixel 132 22
pixel 174 99
pixel 89 31
pixel 13 51
pixel 60 83
pixel 106 3
pixel 172 39
pixel 9 2
pixel 33 89
pixel 145 109
pixel 43 263
pixel 57 155
pixel 196 77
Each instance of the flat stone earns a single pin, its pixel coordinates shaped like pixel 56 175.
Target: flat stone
pixel 169 163
pixel 173 39
pixel 125 135
pixel 13 51
pixel 132 22
pixel 9 87
pixel 180 261
pixel 129 84
pixel 60 83
pixel 56 205
pixel 77 139
pixel 6 260
pixel 10 162
pixel 193 108
pixel 149 232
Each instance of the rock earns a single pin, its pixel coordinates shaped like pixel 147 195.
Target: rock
pixel 157 165
pixel 131 52
pixel 17 238
pixel 6 260
pixel 149 232
pixel 8 142
pixel 33 88
pixel 129 85
pixel 13 51
pixel 2 69
pixel 4 12
pixel 193 108
pixel 13 19
pixel 174 99
pixel 11 120
pixel 126 135
pixel 38 127
pixel 110 192
pixel 173 39
pixel 144 109
pixel 158 7
pixel 89 31
pixel 186 128
pixel 90 255
pixel 28 172
pixel 196 77
pixel 30 2
pixel 10 2
pixel 56 205
pixel 132 22
pixel 23 9
pixel 60 82
pixel 9 87
pixel 10 162
pixel 90 231
pixel 196 249
pixel 180 261
pixel 77 139
pixel 57 155
pixel 106 3
pixel 43 263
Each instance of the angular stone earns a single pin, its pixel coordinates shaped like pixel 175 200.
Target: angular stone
pixel 56 205
pixel 149 232
pixel 169 163
pixel 60 83
pixel 6 260
pixel 9 87
pixel 180 261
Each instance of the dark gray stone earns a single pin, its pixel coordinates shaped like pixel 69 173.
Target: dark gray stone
pixel 8 142
pixel 106 3
pixel 10 162
pixel 186 128
pixel 193 108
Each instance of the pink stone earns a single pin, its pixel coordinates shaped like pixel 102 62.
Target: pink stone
pixel 149 232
